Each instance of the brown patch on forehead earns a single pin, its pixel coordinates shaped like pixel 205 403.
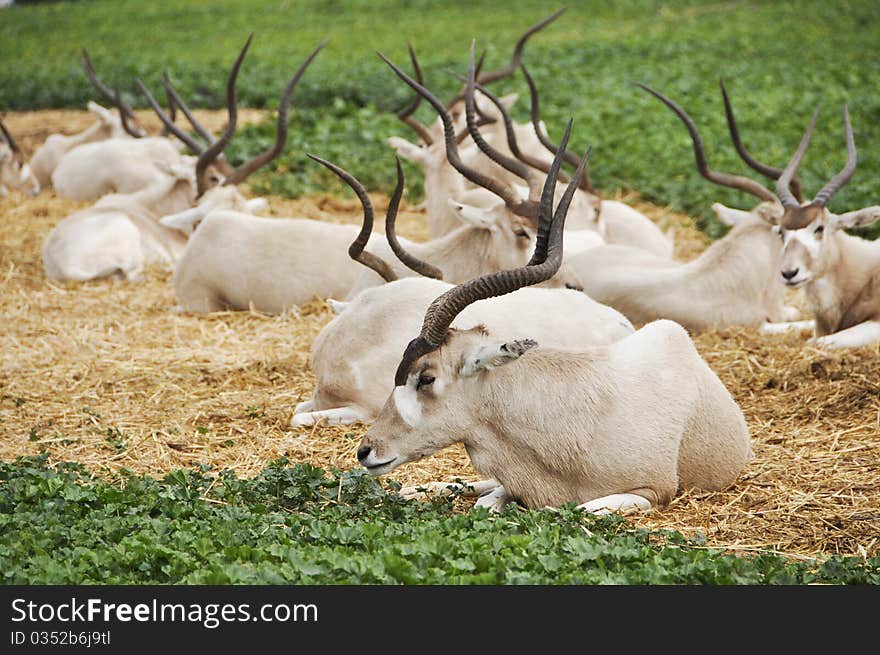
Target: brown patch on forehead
pixel 796 218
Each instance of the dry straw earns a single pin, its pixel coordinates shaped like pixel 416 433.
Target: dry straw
pixel 107 374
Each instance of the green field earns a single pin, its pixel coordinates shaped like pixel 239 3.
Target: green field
pixel 778 59
pixel 299 525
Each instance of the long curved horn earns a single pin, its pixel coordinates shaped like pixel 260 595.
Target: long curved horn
pixel 406 113
pixel 535 114
pixel 211 153
pixel 16 150
pixel 782 184
pixel 512 142
pixel 187 140
pixel 408 260
pixel 356 249
pixel 174 97
pixel 239 174
pixel 846 173
pixel 543 266
pixel 515 166
pixel 503 191
pixel 123 117
pixel 102 88
pixel 172 114
pixel 723 179
pixel 768 171
pixel 506 71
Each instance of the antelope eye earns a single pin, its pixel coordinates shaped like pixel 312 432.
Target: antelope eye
pixel 819 230
pixel 520 232
pixel 424 381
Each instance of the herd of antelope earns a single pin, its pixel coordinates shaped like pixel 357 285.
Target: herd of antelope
pixel 511 330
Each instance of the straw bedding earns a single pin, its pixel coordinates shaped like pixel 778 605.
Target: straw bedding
pixel 107 374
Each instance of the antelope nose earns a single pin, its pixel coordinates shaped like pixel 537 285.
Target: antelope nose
pixel 363 453
pixel 790 274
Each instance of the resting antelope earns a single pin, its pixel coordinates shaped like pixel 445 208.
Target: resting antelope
pixel 839 273
pixel 121 233
pixel 108 125
pixel 129 163
pixel 734 282
pixel 354 356
pixel 589 212
pixel 616 427
pixel 15 173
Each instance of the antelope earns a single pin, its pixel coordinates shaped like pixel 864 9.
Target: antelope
pixel 616 427
pixel 15 173
pixel 123 164
pixel 109 124
pixel 354 356
pixel 121 233
pixel 734 282
pixel 839 273
pixel 48 155
pixel 514 204
pixel 590 212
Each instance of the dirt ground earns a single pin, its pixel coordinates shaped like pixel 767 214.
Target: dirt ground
pixel 104 373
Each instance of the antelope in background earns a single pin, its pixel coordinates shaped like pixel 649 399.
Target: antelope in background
pixel 614 428
pixel 109 125
pixel 121 233
pixel 734 282
pixel 839 273
pixel 15 173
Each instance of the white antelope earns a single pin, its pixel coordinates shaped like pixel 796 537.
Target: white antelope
pixel 131 162
pixel 109 125
pixel 354 356
pixel 839 273
pixel 121 233
pixel 610 219
pixel 734 282
pixel 619 427
pixel 15 173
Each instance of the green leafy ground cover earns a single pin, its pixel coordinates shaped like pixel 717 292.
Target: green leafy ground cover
pixel 779 60
pixel 301 525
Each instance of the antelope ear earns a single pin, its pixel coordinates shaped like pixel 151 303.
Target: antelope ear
pixel 257 206
pixel 474 216
pixel 185 221
pixel 728 215
pixel 100 112
pixel 509 100
pixel 181 170
pixel 408 150
pixel 485 358
pixel 858 218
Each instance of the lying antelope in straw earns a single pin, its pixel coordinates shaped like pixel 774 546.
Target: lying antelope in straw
pixel 515 207
pixel 354 356
pixel 615 221
pixel 734 282
pixel 15 173
pixel 840 273
pixel 109 125
pixel 121 233
pixel 123 164
pixel 615 428
pixel 442 181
